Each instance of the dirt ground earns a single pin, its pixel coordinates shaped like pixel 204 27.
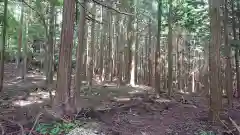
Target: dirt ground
pixel 121 111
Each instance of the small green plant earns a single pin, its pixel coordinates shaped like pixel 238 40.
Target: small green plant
pixel 56 128
pixel 206 133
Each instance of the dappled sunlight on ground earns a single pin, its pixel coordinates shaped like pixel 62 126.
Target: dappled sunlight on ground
pixel 162 100
pixel 22 103
pixel 33 98
pixel 36 77
pixel 134 92
pixel 14 81
pixel 184 92
pixel 110 85
pixel 121 99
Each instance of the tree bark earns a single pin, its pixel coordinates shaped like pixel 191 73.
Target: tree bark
pixel 65 55
pixel 237 53
pixel 157 51
pixel 132 42
pixel 228 70
pixel 2 48
pixel 170 48
pixel 91 51
pixel 50 50
pixel 214 56
pixel 80 50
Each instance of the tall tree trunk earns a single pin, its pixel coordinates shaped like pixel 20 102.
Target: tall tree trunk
pixel 91 51
pixel 228 70
pixel 178 59
pixel 50 50
pixel 2 47
pixel 137 50
pixel 65 56
pixel 103 35
pixel 20 36
pixel 236 49
pixel 129 49
pixel 149 56
pixel 214 56
pixel 132 41
pixel 119 39
pixel 23 44
pixel 79 53
pixel 110 46
pixel 157 51
pixel 237 52
pixel 170 48
pixel 85 44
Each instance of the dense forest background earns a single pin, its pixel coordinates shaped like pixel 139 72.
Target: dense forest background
pixel 171 47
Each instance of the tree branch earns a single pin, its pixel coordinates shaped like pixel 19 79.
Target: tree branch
pixel 88 17
pixel 92 19
pixel 111 8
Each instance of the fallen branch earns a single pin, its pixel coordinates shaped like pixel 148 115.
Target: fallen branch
pixel 235 124
pixel 36 121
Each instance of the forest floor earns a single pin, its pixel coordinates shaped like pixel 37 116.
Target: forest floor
pixel 120 111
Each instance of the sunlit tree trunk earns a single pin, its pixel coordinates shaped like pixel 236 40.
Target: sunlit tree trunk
pixel 25 46
pixel 80 50
pixel 228 70
pixel 214 63
pixel 132 41
pixel 91 51
pixel 237 53
pixel 157 51
pixel 137 50
pixel 85 44
pixel 101 53
pixel 170 48
pixel 110 46
pixel 20 35
pixel 129 47
pixel 119 40
pixel 65 56
pixel 2 47
pixel 50 50
pixel 149 60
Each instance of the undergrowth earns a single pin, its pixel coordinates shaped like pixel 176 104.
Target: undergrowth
pixel 57 128
pixel 206 133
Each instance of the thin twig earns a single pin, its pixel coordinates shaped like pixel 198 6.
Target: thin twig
pixel 235 124
pixel 2 128
pixel 36 121
pixel 109 7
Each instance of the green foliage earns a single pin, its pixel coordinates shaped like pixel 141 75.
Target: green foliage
pixel 57 128
pixel 206 133
pixel 193 16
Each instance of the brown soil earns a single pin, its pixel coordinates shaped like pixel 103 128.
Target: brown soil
pixel 120 111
